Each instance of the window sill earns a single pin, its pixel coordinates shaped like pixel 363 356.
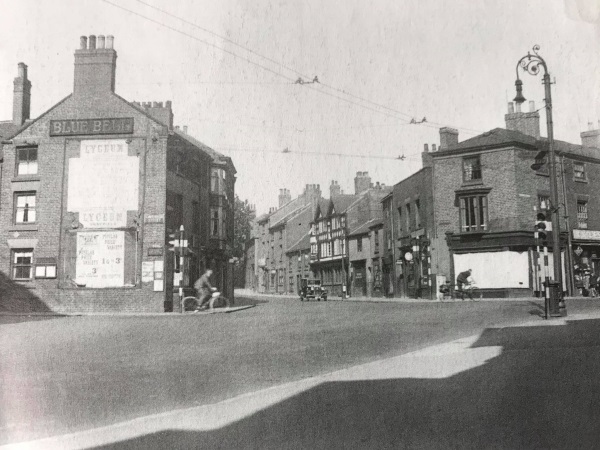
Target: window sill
pixel 469 233
pixel 472 182
pixel 32 227
pixel 580 180
pixel 19 178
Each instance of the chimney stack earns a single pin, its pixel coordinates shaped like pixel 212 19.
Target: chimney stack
pixel 95 68
pixel 525 122
pixel 334 189
pixel 21 96
pixel 362 182
pixel 591 138
pixel 284 197
pixel 448 138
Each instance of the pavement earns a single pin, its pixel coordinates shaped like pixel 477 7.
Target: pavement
pixel 531 384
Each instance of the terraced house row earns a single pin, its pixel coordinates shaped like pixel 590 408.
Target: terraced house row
pixel 473 205
pixel 93 191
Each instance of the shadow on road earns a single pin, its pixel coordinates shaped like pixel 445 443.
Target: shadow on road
pixel 542 391
pixel 19 299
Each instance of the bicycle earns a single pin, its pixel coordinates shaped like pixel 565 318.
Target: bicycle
pixel 470 290
pixel 190 303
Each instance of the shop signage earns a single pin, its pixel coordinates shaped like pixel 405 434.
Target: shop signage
pixel 590 235
pixel 121 125
pixel 578 251
pixel 154 218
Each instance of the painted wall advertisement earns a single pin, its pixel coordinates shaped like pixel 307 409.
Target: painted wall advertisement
pixel 103 183
pixel 100 259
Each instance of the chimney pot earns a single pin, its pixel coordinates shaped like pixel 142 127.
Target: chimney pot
pixel 517 107
pixel 168 104
pixel 531 106
pixel 160 104
pixel 101 41
pixel 177 127
pixel 426 148
pixel 110 41
pixel 185 129
pixel 433 147
pixel 591 126
pixel 83 42
pixel 22 71
pixel 92 42
pixel 155 104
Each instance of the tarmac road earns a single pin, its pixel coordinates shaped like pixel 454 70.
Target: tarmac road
pixel 71 374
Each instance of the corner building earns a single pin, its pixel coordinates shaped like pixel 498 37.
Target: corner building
pixel 91 191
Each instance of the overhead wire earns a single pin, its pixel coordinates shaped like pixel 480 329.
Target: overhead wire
pixel 307 85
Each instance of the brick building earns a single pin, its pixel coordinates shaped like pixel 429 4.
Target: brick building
pixel 485 192
pixel 90 192
pixel 333 223
pixel 411 248
pixel 276 233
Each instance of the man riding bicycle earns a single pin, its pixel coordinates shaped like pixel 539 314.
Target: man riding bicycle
pixel 204 289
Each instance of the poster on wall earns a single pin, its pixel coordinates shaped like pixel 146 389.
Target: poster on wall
pixel 103 183
pixel 100 259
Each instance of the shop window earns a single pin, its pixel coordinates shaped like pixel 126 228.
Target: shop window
pixel 25 204
pixel 473 213
pixel 27 161
pixel 471 168
pixel 579 171
pixel 582 214
pixel 281 277
pixel 22 266
pixel 359 247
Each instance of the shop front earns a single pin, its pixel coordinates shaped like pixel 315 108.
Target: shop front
pixel 586 260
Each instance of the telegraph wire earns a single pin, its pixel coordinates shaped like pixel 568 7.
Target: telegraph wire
pixel 198 39
pixel 244 58
pixel 430 124
pixel 286 150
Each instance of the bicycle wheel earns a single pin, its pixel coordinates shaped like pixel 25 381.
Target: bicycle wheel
pixel 190 303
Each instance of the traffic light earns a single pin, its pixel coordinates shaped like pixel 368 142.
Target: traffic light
pixel 541 227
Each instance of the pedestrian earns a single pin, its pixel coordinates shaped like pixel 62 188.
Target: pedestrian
pixel 204 289
pixel 463 279
pixel 594 285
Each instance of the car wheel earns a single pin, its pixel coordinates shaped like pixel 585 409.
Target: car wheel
pixel 325 298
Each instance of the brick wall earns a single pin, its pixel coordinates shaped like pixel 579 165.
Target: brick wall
pixel 148 142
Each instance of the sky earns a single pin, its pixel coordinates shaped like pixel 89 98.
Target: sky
pixel 230 67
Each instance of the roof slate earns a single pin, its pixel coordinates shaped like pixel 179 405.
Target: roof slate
pixel 502 136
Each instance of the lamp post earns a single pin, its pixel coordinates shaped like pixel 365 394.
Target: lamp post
pixel 531 64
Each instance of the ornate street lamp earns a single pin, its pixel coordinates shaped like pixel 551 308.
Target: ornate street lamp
pixel 531 64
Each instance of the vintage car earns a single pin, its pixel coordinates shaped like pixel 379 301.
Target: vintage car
pixel 312 290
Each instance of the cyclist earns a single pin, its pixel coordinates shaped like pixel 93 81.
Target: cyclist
pixel 204 289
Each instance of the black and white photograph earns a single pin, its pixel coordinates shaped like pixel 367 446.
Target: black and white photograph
pixel 309 224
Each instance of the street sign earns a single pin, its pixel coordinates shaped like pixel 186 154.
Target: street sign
pixel 578 251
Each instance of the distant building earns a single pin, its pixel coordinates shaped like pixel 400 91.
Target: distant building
pixel 333 223
pixel 411 249
pixel 91 192
pixel 276 233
